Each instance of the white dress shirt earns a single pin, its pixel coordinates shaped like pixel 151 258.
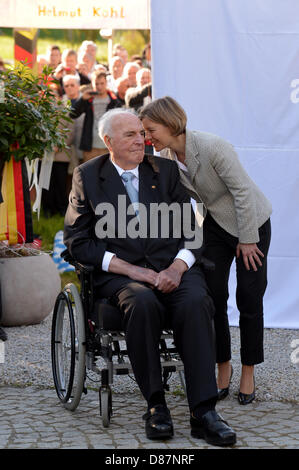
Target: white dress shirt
pixel 183 254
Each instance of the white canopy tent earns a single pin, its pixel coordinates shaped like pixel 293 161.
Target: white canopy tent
pixel 234 67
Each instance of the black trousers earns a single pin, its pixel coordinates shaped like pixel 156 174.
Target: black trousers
pixel 55 199
pixel 189 310
pixel 220 247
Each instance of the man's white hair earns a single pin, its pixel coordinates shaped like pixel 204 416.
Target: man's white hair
pixel 69 77
pixel 105 123
pixel 128 66
pixel 87 43
pixel 114 59
pixel 139 74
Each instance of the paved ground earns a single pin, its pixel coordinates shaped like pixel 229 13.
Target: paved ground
pixel 32 418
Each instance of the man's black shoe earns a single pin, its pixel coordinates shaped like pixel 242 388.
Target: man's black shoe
pixel 3 335
pixel 212 427
pixel 158 423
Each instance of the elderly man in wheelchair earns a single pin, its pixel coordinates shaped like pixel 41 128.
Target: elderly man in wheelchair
pixel 152 280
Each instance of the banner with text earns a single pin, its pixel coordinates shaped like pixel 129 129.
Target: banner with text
pixel 75 14
pixel 234 67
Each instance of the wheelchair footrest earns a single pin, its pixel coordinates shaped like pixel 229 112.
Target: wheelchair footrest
pixel 121 371
pixel 172 366
pixel 169 369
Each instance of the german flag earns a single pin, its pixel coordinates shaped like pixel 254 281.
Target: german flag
pixel 15 206
pixel 26 46
pixel 15 210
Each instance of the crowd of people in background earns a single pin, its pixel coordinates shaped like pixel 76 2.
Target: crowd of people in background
pixel 91 88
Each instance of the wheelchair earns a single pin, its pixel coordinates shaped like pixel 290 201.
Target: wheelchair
pixel 87 334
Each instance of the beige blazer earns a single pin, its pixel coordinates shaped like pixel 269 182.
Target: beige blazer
pixel 222 184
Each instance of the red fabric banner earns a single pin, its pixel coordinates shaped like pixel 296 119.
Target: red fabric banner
pixel 19 201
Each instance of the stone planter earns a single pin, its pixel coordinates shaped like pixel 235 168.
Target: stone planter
pixel 29 286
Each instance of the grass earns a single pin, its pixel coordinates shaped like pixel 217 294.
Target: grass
pixel 6 48
pixel 69 277
pixel 178 392
pixel 46 229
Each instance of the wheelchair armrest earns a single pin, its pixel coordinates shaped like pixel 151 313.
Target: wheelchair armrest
pixel 89 268
pixel 207 264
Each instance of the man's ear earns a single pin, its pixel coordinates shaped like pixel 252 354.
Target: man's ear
pixel 107 142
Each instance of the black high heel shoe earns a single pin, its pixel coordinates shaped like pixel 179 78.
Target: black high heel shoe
pixel 246 398
pixel 223 392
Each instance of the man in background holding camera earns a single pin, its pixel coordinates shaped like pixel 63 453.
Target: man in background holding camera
pixel 96 99
pixel 68 66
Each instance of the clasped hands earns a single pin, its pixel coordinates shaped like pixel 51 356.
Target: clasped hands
pixel 165 281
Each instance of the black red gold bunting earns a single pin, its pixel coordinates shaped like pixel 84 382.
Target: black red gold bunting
pixel 1 176
pixel 15 210
pixel 26 46
pixel 26 42
pixel 23 56
pixel 27 205
pixel 19 200
pixel 25 50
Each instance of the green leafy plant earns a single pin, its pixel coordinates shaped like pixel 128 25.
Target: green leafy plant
pixel 29 114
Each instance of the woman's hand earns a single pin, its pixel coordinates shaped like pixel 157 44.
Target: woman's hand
pixel 251 255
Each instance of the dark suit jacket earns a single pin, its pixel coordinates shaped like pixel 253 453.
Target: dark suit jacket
pixel 97 181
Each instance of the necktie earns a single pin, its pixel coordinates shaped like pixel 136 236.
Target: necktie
pixel 127 177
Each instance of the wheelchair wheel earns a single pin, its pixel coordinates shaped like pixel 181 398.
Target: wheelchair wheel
pixel 68 347
pixel 105 405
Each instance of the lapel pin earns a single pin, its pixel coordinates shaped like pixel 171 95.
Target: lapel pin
pixel 153 187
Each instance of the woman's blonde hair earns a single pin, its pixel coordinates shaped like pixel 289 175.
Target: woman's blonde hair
pixel 168 112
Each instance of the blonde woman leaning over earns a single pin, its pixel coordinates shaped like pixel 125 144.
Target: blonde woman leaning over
pixel 237 225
